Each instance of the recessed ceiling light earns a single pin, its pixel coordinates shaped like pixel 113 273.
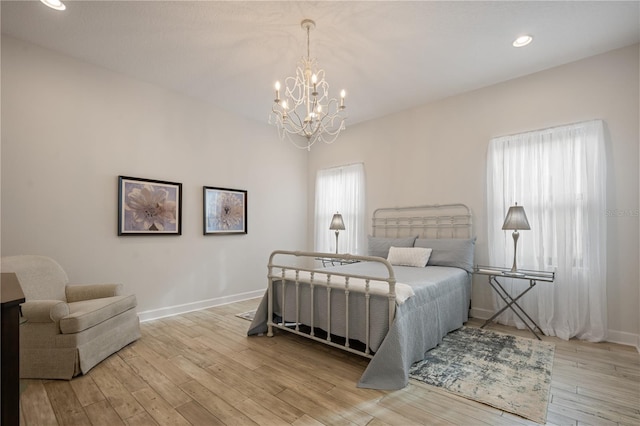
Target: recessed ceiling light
pixel 522 41
pixel 54 4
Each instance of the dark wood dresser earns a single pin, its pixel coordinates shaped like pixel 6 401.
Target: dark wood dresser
pixel 12 296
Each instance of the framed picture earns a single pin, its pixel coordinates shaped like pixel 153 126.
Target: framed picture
pixel 149 207
pixel 225 211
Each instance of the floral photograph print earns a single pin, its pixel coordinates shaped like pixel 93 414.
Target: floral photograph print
pixel 149 207
pixel 225 211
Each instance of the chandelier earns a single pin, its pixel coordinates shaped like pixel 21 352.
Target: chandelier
pixel 306 114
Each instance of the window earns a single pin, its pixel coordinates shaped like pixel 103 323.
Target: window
pixel 559 176
pixel 340 189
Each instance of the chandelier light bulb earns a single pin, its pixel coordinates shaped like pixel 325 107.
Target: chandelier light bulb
pixel 277 91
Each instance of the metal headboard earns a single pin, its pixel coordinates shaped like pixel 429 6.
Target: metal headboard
pixel 430 221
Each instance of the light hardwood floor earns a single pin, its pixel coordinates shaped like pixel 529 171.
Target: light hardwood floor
pixel 201 369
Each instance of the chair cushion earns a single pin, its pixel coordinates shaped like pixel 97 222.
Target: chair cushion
pixel 88 313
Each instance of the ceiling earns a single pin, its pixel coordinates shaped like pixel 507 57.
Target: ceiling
pixel 388 55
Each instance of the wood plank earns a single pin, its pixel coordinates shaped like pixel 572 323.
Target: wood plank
pixel 586 379
pixel 162 347
pixel 349 412
pixel 36 406
pixel 233 374
pixel 580 417
pixel 371 406
pixel 554 418
pixel 307 420
pixel 209 381
pixel 127 351
pixel 409 415
pixel 196 414
pixel 161 411
pixel 102 414
pixel 86 390
pixel 65 404
pixel 608 410
pixel 168 369
pixel 377 422
pixel 314 409
pixel 122 372
pixel 142 419
pixel 258 414
pixel 260 390
pixel 437 397
pixel 629 401
pixel 169 391
pixel 216 405
pixel 116 393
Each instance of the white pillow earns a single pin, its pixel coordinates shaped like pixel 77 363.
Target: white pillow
pixel 409 256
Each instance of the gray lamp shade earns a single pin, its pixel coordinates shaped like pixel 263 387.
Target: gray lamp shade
pixel 516 219
pixel 336 223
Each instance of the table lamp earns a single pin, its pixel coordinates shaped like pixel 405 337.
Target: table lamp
pixel 516 219
pixel 337 225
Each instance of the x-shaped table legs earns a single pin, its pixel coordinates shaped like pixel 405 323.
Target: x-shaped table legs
pixel 512 303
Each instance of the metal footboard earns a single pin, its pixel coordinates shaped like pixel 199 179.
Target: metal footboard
pixel 291 278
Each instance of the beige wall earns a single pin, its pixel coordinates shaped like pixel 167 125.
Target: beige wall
pixel 70 128
pixel 437 154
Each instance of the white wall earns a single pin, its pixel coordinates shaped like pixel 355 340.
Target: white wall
pixel 70 128
pixel 437 154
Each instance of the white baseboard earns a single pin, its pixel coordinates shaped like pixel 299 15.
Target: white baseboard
pixel 483 314
pixel 613 336
pixel 196 306
pixel 624 338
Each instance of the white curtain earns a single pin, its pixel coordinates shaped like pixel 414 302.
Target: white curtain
pixel 341 190
pixel 558 176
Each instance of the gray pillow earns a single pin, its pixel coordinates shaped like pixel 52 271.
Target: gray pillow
pixel 450 252
pixel 379 246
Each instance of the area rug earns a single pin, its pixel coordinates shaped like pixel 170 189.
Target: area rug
pixel 509 373
pixel 247 315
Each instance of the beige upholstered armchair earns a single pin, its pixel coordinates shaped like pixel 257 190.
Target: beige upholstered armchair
pixel 69 328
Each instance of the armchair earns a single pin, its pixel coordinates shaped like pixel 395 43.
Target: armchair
pixel 69 328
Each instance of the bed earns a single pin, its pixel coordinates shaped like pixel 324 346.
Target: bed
pixel 385 306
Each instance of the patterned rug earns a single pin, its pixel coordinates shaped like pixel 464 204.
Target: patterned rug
pixel 247 315
pixel 509 373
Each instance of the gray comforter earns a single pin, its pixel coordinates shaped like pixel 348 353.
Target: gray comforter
pixel 439 306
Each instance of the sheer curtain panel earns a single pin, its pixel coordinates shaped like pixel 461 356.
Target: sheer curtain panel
pixel 340 189
pixel 559 176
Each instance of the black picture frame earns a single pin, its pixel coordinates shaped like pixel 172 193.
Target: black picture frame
pixel 224 211
pixel 149 207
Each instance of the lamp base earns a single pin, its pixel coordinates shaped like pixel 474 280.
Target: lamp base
pixel 514 268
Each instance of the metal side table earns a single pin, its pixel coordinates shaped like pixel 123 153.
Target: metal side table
pixel 533 277
pixel 329 261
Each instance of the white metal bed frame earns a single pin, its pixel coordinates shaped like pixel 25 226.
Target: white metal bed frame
pixel 428 221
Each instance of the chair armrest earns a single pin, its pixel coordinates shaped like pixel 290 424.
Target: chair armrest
pixel 44 310
pixel 77 293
